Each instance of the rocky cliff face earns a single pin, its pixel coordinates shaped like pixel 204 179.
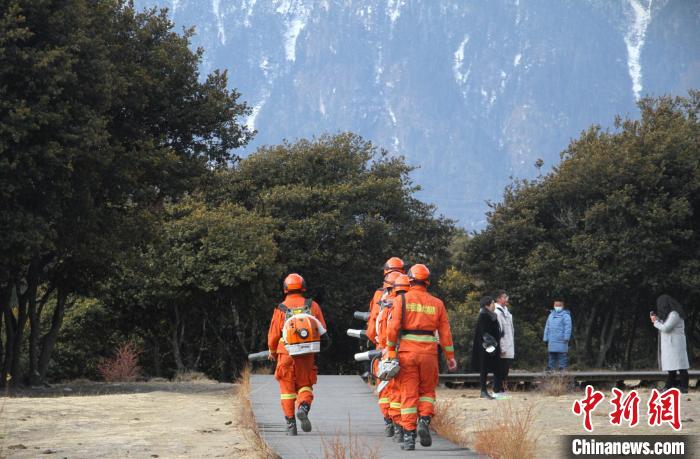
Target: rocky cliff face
pixel 472 92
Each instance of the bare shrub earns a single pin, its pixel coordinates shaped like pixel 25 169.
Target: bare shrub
pixel 446 422
pixel 508 434
pixel 556 385
pixel 247 418
pixel 347 446
pixel 124 366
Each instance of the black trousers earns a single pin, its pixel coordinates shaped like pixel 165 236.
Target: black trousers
pixel 499 380
pixel 488 365
pixel 671 380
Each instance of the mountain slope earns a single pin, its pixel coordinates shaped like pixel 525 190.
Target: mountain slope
pixel 472 92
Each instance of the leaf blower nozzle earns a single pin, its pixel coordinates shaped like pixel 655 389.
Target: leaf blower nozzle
pixel 359 315
pixel 358 334
pixel 259 356
pixel 367 356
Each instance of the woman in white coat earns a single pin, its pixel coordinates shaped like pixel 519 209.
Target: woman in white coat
pixel 673 355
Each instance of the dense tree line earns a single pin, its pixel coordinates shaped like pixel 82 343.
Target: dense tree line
pixel 103 117
pixel 201 293
pixel 126 214
pixel 616 224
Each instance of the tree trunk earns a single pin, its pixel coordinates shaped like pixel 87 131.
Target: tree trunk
pixel 606 336
pixel 253 343
pixel 630 341
pixel 201 343
pixel 588 333
pixel 14 372
pixel 2 308
pixel 34 329
pixel 239 328
pixel 176 339
pixel 49 339
pixel 6 312
pixel 156 358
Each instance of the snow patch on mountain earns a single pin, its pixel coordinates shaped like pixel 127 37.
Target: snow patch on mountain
pixel 216 8
pixel 248 7
pixel 516 60
pixel 321 105
pixel 296 16
pixel 634 40
pixel 460 76
pixel 250 121
pixel 393 9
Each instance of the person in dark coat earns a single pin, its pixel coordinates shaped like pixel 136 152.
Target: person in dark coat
pixel 486 350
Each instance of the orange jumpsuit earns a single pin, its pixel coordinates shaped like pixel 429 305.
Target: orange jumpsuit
pixel 295 375
pixel 392 391
pixel 373 312
pixel 418 377
pixel 380 327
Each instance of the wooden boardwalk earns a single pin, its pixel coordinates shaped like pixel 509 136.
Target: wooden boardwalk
pixel 578 376
pixel 345 410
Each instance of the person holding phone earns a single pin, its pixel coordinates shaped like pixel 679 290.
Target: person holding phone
pixel 669 319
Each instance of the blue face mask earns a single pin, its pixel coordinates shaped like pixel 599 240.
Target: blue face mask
pixel 558 308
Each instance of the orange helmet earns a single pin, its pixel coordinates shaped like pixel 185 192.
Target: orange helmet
pixel 394 264
pixel 390 278
pixel 419 273
pixel 402 283
pixel 294 282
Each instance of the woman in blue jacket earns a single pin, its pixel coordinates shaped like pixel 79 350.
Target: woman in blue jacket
pixel 557 333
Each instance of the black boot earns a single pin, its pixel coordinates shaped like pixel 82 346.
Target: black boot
pixel 670 380
pixel 388 427
pixel 485 394
pixel 685 381
pixel 398 433
pixel 424 431
pixel 291 426
pixel 303 416
pixel 409 440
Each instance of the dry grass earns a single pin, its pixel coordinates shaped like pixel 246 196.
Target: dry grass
pixel 263 370
pixel 556 385
pixel 124 366
pixel 508 434
pixel 348 446
pixel 446 422
pixel 247 418
pixel 193 377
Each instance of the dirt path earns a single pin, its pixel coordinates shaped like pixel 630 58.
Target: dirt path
pixel 553 416
pixel 145 420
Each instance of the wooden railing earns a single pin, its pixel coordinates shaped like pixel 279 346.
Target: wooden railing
pixel 578 376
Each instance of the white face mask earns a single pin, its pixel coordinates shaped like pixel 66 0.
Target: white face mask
pixel 558 308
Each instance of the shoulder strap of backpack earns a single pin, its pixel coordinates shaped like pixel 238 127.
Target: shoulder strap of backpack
pixel 307 305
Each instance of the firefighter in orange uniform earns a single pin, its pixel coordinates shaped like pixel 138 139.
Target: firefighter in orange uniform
pixel 393 264
pixel 392 391
pixel 296 374
pixel 385 304
pixel 415 324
